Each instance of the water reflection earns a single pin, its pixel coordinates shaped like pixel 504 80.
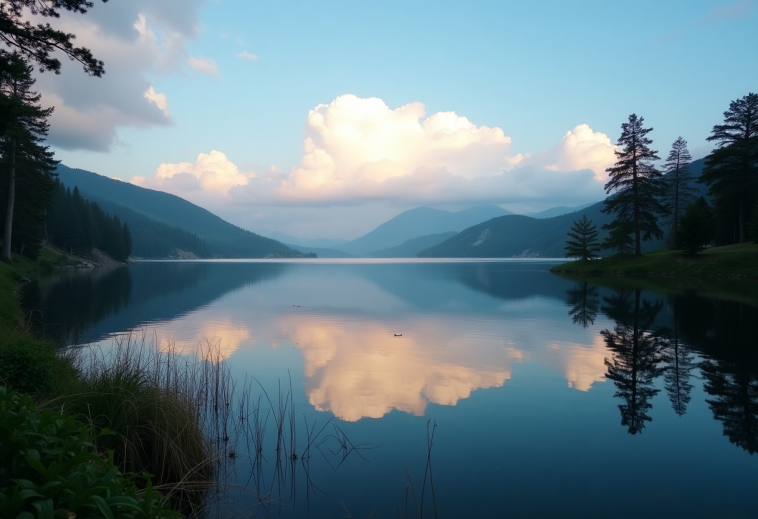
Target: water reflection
pixel 636 353
pixel 583 300
pixel 710 338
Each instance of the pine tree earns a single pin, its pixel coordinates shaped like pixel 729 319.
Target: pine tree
pixel 619 238
pixel 679 193
pixel 695 227
pixel 731 170
pixel 582 242
pixel 27 166
pixel 636 184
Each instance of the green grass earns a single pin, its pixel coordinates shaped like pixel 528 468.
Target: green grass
pixel 155 403
pixel 732 260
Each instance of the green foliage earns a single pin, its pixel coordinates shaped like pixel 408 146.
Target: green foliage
pixel 582 242
pixel 48 468
pixel 619 239
pixel 695 228
pixel 636 184
pixel 77 225
pixel 731 170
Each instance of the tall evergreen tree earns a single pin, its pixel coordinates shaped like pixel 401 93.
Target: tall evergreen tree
pixel 27 166
pixel 636 183
pixel 619 238
pixel 582 242
pixel 731 170
pixel 679 193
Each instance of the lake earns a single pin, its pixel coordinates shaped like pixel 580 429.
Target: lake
pixel 552 396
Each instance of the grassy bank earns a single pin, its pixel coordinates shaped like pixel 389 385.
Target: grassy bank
pixel 148 406
pixel 732 260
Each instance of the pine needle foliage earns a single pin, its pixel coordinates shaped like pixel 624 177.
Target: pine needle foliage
pixel 731 170
pixel 636 183
pixel 619 238
pixel 582 242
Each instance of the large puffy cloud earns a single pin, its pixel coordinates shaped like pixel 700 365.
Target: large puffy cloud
pixel 135 39
pixel 360 149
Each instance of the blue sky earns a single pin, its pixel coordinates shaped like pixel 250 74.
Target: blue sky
pixel 533 70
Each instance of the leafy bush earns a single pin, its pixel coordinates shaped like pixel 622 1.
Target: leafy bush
pixel 48 468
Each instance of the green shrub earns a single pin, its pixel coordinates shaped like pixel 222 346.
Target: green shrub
pixel 48 468
pixel 30 365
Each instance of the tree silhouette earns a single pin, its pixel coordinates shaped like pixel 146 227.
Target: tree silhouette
pixel 636 356
pixel 695 227
pixel 619 238
pixel 39 42
pixel 636 183
pixel 584 303
pixel 679 362
pixel 679 193
pixel 731 170
pixel 582 242
pixel 26 165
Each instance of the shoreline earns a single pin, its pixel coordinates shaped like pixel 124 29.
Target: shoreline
pixel 728 262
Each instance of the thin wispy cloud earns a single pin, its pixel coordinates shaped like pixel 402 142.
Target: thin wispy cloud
pixel 727 12
pixel 203 65
pixel 246 55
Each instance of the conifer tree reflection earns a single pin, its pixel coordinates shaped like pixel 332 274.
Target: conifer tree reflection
pixel 584 303
pixel 636 355
pixel 731 372
pixel 679 365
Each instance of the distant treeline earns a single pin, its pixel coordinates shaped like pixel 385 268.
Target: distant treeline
pixel 77 225
pixel 154 239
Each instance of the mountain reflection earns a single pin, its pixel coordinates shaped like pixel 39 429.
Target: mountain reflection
pixel 636 356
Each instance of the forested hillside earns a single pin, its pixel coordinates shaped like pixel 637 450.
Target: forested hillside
pixel 143 207
pixel 77 226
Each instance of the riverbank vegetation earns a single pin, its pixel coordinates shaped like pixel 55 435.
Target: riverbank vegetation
pixel 139 409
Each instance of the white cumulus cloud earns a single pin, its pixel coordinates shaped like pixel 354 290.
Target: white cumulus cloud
pixel 359 150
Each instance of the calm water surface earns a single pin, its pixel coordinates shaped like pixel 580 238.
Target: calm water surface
pixel 553 397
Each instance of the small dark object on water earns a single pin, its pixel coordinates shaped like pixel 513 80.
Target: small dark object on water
pixel 295 306
pixel 398 334
pixel 294 456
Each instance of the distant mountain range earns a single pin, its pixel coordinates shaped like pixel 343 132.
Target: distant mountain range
pixel 140 208
pixel 410 248
pixel 421 221
pixel 524 236
pixel 558 211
